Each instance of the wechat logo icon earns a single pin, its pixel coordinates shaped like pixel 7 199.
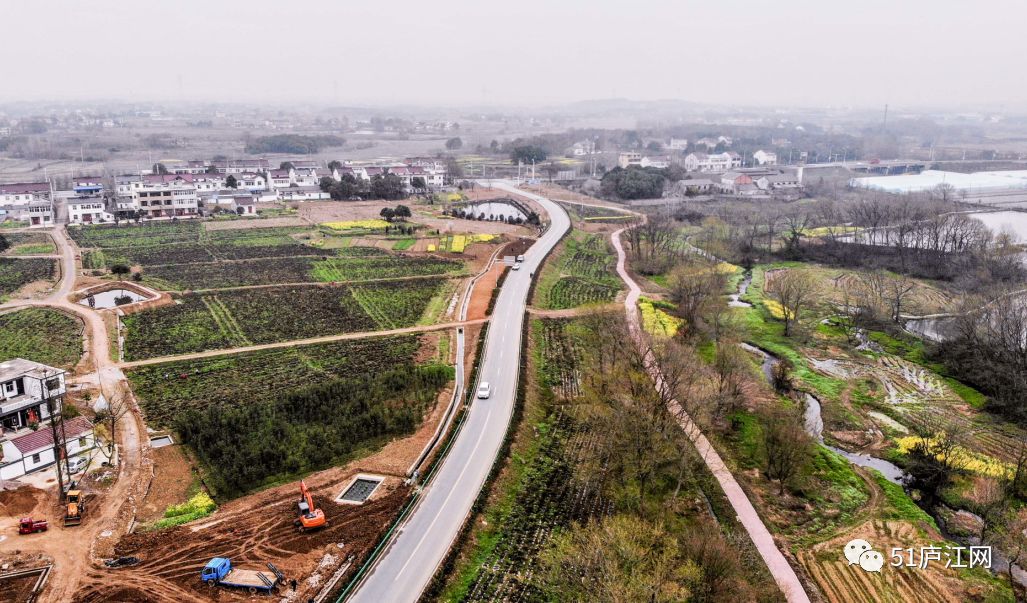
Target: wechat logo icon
pixel 862 553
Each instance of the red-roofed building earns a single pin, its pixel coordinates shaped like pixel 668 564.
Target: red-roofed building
pixel 34 450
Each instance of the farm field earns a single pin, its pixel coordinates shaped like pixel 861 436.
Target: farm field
pixel 581 273
pixel 187 256
pixel 329 422
pixel 235 318
pixel 165 390
pixel 354 264
pixel 26 243
pixel 41 335
pixel 16 273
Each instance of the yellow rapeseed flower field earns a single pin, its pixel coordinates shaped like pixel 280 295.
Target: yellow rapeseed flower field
pixel 373 224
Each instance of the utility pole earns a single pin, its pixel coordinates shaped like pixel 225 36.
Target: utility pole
pixel 60 450
pixel 884 125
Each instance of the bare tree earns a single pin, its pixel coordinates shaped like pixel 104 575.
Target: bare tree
pixel 695 290
pixel 1011 537
pixel 117 407
pixel 786 446
pixel 899 290
pixel 729 364
pixel 793 290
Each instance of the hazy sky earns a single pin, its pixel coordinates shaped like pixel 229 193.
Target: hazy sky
pixel 530 52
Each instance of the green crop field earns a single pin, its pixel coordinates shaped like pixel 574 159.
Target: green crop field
pixel 582 273
pixel 41 335
pixel 16 273
pixel 326 423
pixel 255 316
pixel 361 268
pixel 27 243
pixel 167 389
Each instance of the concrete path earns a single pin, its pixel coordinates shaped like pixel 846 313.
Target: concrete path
pixel 782 572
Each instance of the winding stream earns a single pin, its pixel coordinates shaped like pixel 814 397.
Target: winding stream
pixel 742 288
pixel 814 424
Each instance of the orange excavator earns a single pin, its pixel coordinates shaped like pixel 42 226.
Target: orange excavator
pixel 310 518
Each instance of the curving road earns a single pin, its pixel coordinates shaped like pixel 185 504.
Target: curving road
pixel 423 541
pixel 72 556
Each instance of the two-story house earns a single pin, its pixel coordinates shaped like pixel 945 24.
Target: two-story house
pixel 28 392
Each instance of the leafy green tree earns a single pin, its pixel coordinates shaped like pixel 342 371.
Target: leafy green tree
pixel 347 187
pixel 454 143
pixel 292 143
pixel 4 244
pixel 325 183
pixel 286 165
pixel 388 213
pixel 120 270
pixel 633 183
pixel 159 168
pixel 334 164
pixel 231 182
pixel 402 211
pixel 528 153
pixel 388 186
pixel 418 183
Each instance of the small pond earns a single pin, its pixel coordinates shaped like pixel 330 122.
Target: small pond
pixel 111 299
pixel 498 210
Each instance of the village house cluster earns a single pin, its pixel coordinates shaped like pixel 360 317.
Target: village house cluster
pixel 194 188
pixel 31 398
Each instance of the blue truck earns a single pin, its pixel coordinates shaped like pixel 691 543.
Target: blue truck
pixel 219 572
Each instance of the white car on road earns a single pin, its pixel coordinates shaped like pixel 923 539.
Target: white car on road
pixel 484 390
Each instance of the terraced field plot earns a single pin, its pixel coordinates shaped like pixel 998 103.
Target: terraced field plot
pixel 16 273
pixel 26 243
pixel 168 389
pixel 41 335
pixel 582 274
pixel 254 316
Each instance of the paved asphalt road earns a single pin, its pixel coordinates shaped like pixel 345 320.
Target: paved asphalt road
pixel 409 563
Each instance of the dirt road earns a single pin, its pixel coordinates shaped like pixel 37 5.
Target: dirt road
pixel 783 573
pixel 300 342
pixel 73 548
